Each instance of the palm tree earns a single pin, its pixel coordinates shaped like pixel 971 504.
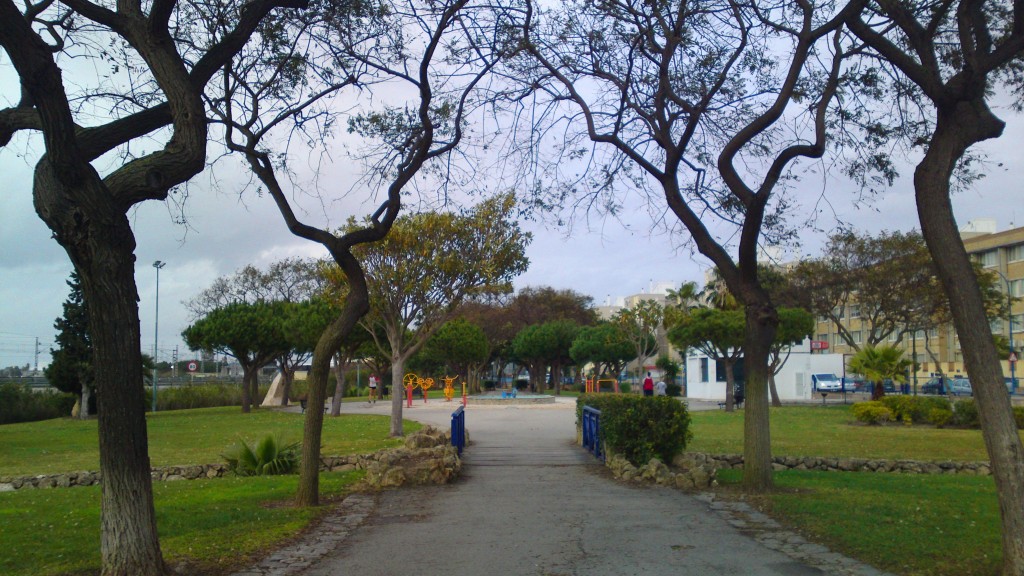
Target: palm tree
pixel 878 363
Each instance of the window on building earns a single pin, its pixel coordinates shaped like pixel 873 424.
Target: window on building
pixel 703 369
pixel 893 335
pixel 989 258
pixel 1018 323
pixel 823 337
pixel 1015 253
pixel 933 333
pixel 854 310
pixel 1017 288
pixel 996 325
pixel 857 336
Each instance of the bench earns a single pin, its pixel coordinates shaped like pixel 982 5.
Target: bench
pixel 737 399
pixel 302 403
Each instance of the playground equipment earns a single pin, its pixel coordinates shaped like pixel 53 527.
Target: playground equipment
pixel 411 382
pixel 594 386
pixel 449 389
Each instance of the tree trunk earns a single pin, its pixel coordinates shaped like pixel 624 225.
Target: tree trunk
pixel 101 245
pixel 776 402
pixel 959 126
pixel 254 385
pixel 312 433
pixel 730 386
pixel 762 321
pixel 877 390
pixel 398 395
pixel 339 388
pixel 86 395
pixel 248 371
pixel 287 379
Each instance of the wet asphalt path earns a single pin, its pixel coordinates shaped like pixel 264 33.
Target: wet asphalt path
pixel 531 502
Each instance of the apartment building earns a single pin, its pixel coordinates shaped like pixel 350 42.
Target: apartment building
pixel 938 350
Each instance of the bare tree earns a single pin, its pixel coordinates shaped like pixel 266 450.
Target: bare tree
pixel 87 210
pixel 431 54
pixel 945 60
pixel 667 91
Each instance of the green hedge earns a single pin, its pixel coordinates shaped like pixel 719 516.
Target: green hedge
pixel 19 403
pixel 638 427
pixel 914 409
pixel 872 412
pixel 935 410
pixel 206 395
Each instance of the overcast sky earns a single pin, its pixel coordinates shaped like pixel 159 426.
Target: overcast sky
pixel 605 259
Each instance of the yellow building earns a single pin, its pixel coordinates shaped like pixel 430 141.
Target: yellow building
pixel 1001 252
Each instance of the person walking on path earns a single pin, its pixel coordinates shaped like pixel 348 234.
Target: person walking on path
pixel 373 390
pixel 648 385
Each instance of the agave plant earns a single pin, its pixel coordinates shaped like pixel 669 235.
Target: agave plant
pixel 268 457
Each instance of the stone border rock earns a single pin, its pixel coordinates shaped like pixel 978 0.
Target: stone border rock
pixel 726 461
pixel 427 457
pixel 686 472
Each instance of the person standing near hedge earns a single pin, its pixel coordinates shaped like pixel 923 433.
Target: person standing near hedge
pixel 648 385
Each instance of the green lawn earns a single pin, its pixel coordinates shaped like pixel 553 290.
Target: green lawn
pixel 913 524
pixel 181 437
pixel 831 431
pixel 210 524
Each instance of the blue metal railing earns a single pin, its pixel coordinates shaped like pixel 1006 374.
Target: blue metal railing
pixel 592 431
pixel 459 429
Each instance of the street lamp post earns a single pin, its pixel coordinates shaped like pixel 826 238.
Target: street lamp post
pixel 156 326
pixel 1009 317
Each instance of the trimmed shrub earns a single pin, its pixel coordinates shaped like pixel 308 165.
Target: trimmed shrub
pixel 640 428
pixel 940 417
pixel 270 456
pixel 673 389
pixel 908 409
pixel 206 395
pixel 965 413
pixel 872 412
pixel 18 403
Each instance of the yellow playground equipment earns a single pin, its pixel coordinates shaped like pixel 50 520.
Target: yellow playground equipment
pixel 594 385
pixel 412 381
pixel 449 388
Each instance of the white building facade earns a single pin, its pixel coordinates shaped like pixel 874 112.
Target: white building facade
pixel 706 380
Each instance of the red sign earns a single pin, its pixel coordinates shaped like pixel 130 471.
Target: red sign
pixel 192 366
pixel 819 345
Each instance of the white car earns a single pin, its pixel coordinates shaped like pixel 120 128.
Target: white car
pixel 826 382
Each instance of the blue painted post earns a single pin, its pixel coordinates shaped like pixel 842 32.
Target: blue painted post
pixel 459 429
pixel 592 431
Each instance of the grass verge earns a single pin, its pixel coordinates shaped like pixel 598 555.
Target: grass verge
pixel 182 437
pixel 209 525
pixel 832 432
pixel 912 524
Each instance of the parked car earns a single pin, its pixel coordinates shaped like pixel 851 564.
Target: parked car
pixel 868 386
pixel 960 387
pixel 826 382
pixel 934 386
pixel 853 383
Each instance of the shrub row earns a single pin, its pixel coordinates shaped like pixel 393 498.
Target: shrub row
pixel 640 428
pixel 19 403
pixel 925 409
pixel 206 395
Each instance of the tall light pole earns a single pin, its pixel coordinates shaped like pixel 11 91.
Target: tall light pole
pixel 156 326
pixel 1009 317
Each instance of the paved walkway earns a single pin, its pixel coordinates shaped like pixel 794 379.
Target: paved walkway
pixel 530 502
